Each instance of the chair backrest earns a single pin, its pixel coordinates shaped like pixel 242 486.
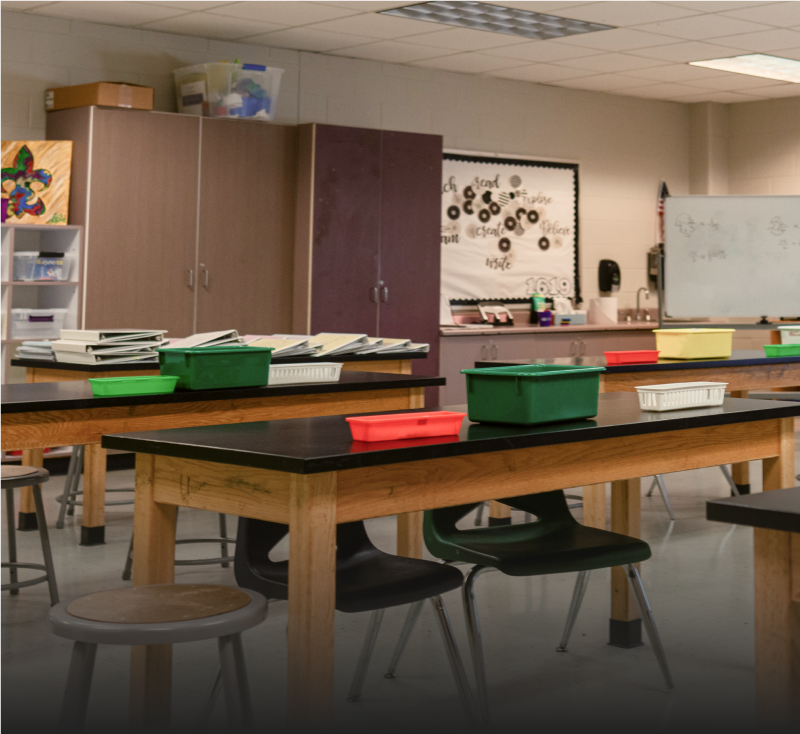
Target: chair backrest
pixel 549 509
pixel 256 539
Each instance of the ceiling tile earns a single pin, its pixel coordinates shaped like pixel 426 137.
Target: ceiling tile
pixel 306 39
pixel 542 51
pixel 393 52
pixel 284 12
pixel 603 63
pixel 628 13
pixel 468 63
pixel 540 73
pixel 186 4
pixel 688 51
pixel 782 90
pixel 661 91
pixel 10 5
pixel 378 26
pixel 777 14
pixel 548 8
pixel 676 73
pixel 715 6
pixel 367 6
pixel 117 13
pixel 603 82
pixel 207 25
pixel 724 97
pixel 763 41
pixel 732 82
pixel 788 53
pixel 617 39
pixel 703 27
pixel 466 39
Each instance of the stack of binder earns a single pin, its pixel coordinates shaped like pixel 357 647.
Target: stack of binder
pixel 227 338
pixel 36 350
pixel 107 346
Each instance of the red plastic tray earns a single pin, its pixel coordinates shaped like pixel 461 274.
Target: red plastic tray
pixel 405 425
pixel 636 356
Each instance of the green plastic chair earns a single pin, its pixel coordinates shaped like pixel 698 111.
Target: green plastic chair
pixel 553 543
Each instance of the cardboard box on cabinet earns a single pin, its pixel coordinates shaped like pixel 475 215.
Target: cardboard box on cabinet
pixel 103 94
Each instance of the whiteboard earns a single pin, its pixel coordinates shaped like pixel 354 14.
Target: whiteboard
pixel 732 255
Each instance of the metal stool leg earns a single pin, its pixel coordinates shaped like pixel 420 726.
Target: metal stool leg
pixel 68 488
pixel 45 538
pixel 223 533
pixel 453 657
pixel 11 533
pixel 234 682
pixel 479 516
pixel 79 682
pixel 76 481
pixel 475 642
pixel 375 620
pixel 126 572
pixel 408 628
pixel 635 581
pixel 662 488
pixel 734 489
pixel 652 487
pixel 574 608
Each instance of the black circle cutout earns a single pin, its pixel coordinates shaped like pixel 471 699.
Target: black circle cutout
pixel 468 208
pixel 520 213
pixel 504 244
pixel 510 223
pixel 533 216
pixel 453 212
pixel 544 243
pixel 487 197
pixel 484 215
pixel 494 208
pixel 469 193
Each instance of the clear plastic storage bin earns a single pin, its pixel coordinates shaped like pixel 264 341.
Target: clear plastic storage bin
pixel 35 266
pixel 790 334
pixel 24 263
pixel 245 91
pixel 37 323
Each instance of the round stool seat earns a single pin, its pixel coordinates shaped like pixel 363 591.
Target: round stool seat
pixel 23 476
pixel 158 614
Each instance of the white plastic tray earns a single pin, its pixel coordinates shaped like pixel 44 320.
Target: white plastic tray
pixel 304 373
pixel 681 395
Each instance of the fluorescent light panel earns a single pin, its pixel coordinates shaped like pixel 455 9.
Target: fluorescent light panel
pixel 496 19
pixel 769 67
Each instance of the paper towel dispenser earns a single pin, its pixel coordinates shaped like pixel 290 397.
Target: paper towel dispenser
pixel 608 277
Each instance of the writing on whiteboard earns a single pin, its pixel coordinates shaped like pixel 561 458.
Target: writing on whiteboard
pixel 688 226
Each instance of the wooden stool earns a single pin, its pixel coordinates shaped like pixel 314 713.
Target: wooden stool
pixel 24 476
pixel 158 615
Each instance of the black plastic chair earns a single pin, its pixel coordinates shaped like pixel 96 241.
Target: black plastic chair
pixel 367 580
pixel 554 543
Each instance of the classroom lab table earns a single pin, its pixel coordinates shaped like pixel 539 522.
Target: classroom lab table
pixel 38 370
pixel 36 416
pixel 776 545
pixel 744 370
pixel 309 474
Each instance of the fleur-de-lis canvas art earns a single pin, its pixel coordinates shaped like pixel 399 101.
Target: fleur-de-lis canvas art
pixel 36 175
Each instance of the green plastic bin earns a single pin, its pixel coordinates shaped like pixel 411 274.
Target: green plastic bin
pixel 782 350
pixel 107 387
pixel 531 394
pixel 211 368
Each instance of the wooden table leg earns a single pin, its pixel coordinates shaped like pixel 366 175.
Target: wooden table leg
pixel 27 511
pixel 409 534
pixel 594 506
pixel 312 599
pixel 625 628
pixel 93 528
pixel 499 514
pixel 777 599
pixel 153 563
pixel 741 472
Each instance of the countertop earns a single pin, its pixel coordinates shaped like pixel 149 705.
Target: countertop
pixel 313 445
pixel 775 510
pixel 529 329
pixel 740 358
pixel 74 395
pixel 153 365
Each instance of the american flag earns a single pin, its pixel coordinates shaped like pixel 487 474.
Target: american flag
pixel 662 195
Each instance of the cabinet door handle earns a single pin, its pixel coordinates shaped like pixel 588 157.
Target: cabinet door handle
pixel 573 349
pixel 373 295
pixel 582 347
pixel 205 279
pixel 494 351
pixel 190 279
pixel 483 351
pixel 384 293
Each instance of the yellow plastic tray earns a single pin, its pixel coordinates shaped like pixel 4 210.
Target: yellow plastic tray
pixel 694 343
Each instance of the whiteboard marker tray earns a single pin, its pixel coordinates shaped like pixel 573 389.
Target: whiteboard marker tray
pixel 304 373
pixel 681 396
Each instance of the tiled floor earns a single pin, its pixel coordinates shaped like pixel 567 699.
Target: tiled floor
pixel 699 581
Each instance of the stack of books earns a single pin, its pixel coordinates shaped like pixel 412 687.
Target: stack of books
pixel 36 350
pixel 107 346
pixel 227 338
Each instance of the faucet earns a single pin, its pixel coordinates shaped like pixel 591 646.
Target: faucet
pixel 646 298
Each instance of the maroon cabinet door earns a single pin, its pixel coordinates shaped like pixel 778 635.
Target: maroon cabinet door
pixel 411 183
pixel 346 229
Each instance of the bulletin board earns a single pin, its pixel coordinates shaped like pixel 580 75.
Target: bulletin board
pixel 36 179
pixel 509 229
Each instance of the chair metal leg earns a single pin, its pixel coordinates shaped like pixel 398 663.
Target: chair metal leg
pixel 475 642
pixel 652 487
pixel 479 516
pixel 212 699
pixel 734 488
pixel 234 683
pixel 375 620
pixel 11 534
pixel 76 481
pixel 662 488
pixel 635 581
pixel 126 572
pixel 45 538
pixel 223 533
pixel 68 489
pixel 408 628
pixel 574 608
pixel 79 682
pixel 453 657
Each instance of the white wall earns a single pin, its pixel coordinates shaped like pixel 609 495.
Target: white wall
pixel 625 146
